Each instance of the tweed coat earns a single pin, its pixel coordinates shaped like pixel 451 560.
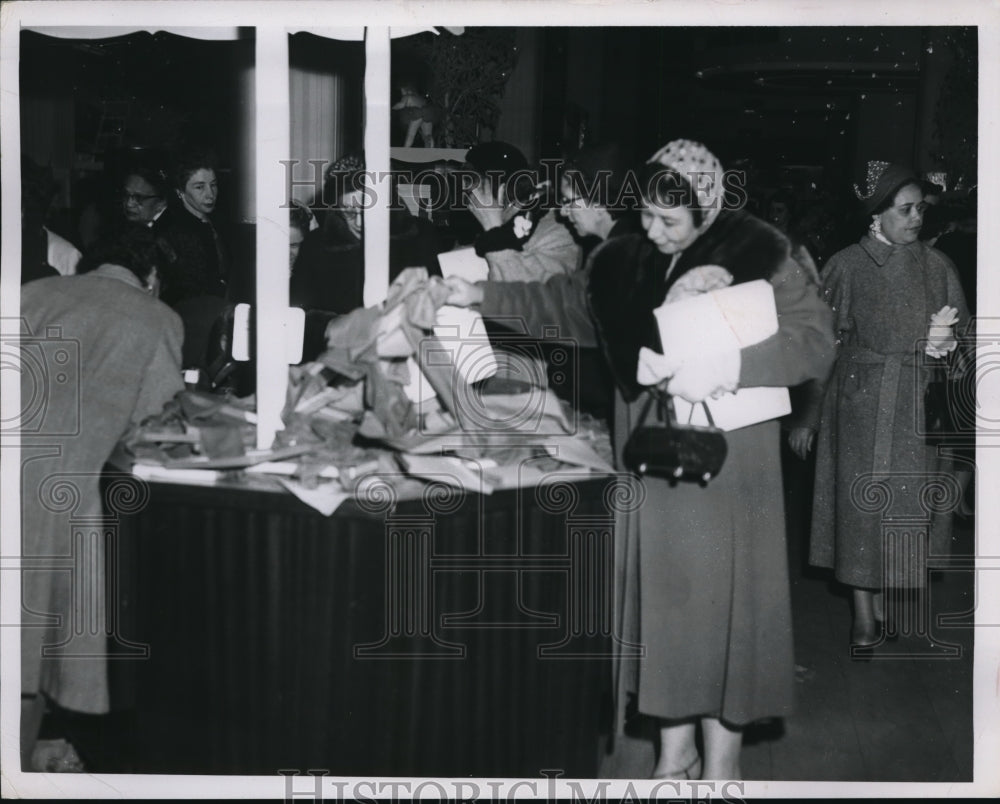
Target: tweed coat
pixel 869 426
pixel 99 356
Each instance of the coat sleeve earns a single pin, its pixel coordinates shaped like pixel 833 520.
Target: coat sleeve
pixel 561 302
pixel 803 347
pixel 162 379
pixel 550 252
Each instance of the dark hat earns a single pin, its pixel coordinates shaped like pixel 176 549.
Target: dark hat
pixel 592 164
pixel 495 157
pixel 882 180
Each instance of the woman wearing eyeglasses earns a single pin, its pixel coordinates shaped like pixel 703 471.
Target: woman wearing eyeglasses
pixel 144 196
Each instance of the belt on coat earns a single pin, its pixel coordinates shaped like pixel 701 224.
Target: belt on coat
pixel 892 369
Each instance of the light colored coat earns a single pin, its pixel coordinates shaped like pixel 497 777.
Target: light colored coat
pixel 550 251
pixel 99 355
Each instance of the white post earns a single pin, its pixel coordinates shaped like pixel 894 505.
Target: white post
pixel 272 138
pixel 377 103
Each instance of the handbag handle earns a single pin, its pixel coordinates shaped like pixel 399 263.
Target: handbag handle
pixel 665 409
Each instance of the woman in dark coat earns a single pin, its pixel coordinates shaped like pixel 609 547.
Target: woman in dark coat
pixel 328 277
pixel 895 302
pixel 196 284
pixel 711 588
pixel 201 267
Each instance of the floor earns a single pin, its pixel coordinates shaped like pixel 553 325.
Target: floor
pixel 903 715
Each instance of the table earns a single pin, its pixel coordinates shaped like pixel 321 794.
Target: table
pixel 452 635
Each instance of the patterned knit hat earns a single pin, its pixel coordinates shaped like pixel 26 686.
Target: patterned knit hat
pixel 882 179
pixel 700 168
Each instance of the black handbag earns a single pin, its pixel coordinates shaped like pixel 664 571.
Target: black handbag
pixel 675 451
pixel 950 402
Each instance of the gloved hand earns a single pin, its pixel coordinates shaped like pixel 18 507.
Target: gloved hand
pixel 697 381
pixel 653 367
pixel 941 336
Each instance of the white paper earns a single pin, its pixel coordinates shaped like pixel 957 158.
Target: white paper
pixel 456 472
pixel 460 330
pixel 701 328
pixel 465 264
pixel 733 411
pixel 717 322
pixel 418 389
pixel 325 498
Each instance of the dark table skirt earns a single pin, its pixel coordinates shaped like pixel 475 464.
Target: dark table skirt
pixel 450 636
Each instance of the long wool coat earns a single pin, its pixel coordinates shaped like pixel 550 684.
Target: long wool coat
pixel 702 581
pixel 873 467
pixel 102 355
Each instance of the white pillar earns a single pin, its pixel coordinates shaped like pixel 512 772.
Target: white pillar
pixel 272 124
pixel 377 102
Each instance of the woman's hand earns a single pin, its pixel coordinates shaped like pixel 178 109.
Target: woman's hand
pixel 463 293
pixel 801 440
pixel 940 336
pixel 485 208
pixel 697 381
pixel 703 279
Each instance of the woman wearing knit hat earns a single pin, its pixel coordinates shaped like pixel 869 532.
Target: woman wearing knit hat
pixel 713 613
pixel 896 304
pixel 709 601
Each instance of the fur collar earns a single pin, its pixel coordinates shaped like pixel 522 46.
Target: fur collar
pixel 628 280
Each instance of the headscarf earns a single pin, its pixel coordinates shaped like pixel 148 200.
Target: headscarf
pixel 881 180
pixel 701 169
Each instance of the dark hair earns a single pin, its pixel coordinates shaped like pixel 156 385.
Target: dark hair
pixel 137 248
pixel 496 160
pixel 155 178
pixel 890 199
pixel 598 173
pixel 189 162
pixel 664 187
pixel 344 176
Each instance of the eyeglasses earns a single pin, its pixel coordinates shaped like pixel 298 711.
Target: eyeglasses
pixel 137 198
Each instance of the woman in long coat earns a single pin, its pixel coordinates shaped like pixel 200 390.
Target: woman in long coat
pixel 895 302
pixel 705 566
pixel 111 355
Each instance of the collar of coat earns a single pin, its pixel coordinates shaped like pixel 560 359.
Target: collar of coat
pixel 880 252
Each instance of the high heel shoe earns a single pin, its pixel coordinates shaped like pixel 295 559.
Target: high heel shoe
pixel 692 771
pixel 863 642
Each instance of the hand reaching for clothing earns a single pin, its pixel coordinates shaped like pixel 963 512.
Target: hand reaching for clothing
pixel 463 293
pixel 485 208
